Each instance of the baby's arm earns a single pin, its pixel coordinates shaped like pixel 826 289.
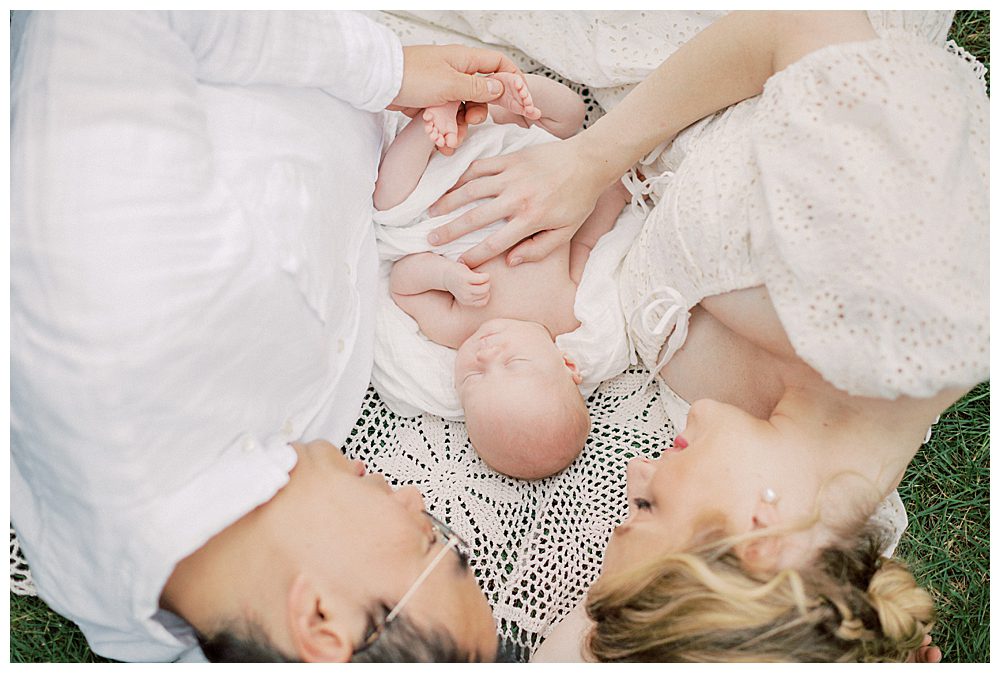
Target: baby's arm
pixel 402 166
pixel 562 109
pixel 601 221
pixel 427 285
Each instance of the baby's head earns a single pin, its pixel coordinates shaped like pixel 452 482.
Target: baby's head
pixel 523 410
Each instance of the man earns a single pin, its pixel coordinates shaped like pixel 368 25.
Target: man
pixel 192 279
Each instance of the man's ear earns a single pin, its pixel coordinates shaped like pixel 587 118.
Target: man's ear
pixel 316 631
pixel 577 379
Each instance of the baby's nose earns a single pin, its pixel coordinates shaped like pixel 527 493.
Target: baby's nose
pixel 486 353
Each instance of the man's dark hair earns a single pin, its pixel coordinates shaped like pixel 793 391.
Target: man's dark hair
pixel 401 641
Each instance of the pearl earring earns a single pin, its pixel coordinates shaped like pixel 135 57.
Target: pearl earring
pixel 769 496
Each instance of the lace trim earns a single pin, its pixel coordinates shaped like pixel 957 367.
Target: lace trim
pixel 20 575
pixel 977 67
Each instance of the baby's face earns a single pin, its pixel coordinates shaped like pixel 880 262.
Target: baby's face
pixel 506 356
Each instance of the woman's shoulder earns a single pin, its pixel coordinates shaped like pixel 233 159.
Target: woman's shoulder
pixel 873 167
pixel 567 641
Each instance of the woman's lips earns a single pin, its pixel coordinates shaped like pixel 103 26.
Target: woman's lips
pixel 680 443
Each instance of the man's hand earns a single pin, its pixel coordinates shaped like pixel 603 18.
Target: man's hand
pixel 434 75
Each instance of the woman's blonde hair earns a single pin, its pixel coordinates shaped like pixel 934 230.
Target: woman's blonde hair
pixel 851 604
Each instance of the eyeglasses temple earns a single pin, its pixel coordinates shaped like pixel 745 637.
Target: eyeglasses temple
pixel 420 579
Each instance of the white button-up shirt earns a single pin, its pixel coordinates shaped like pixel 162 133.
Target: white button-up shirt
pixel 192 285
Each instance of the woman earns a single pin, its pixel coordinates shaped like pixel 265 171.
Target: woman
pixel 813 274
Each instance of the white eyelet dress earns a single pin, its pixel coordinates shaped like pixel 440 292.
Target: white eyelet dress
pixel 856 189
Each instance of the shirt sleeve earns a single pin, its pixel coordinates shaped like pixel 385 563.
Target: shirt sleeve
pixel 344 53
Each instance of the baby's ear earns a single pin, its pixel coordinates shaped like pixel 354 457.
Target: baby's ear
pixel 577 379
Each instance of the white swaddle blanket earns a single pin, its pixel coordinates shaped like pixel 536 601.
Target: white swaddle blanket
pixel 413 374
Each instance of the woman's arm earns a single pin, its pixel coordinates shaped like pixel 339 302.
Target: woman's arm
pixel 546 191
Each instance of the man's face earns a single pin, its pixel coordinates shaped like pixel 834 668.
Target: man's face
pixel 370 542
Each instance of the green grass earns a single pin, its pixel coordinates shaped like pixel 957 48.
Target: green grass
pixel 39 634
pixel 947 495
pixel 945 490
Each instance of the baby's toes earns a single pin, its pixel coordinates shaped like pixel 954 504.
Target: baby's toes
pixel 522 91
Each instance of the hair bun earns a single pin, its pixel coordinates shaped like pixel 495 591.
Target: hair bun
pixel 904 610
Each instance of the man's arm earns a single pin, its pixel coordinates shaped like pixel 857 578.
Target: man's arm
pixel 344 53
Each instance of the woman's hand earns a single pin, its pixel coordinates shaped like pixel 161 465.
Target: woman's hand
pixel 927 653
pixel 545 191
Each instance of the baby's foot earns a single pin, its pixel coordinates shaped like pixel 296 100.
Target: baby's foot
pixel 470 288
pixel 441 124
pixel 516 96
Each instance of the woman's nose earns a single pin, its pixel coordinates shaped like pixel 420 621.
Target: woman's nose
pixel 638 473
pixel 410 497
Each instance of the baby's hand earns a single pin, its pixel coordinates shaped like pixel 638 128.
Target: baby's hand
pixel 470 288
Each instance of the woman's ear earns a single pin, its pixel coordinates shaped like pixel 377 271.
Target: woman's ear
pixel 762 552
pixel 317 633
pixel 571 365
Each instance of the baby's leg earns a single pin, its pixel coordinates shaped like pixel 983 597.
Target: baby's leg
pixel 515 98
pixel 402 166
pixel 441 124
pixel 562 110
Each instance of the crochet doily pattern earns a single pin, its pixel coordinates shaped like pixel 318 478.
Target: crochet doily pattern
pixel 537 545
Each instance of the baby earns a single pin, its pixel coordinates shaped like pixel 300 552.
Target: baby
pixel 524 412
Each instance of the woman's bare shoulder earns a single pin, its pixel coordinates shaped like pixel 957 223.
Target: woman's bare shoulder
pixel 800 33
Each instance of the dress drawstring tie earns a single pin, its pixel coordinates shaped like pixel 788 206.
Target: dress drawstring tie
pixel 640 189
pixel 674 320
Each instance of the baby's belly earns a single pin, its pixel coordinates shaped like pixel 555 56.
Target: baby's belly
pixel 538 291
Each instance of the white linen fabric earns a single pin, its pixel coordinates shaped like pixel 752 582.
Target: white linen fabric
pixel 192 285
pixel 412 373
